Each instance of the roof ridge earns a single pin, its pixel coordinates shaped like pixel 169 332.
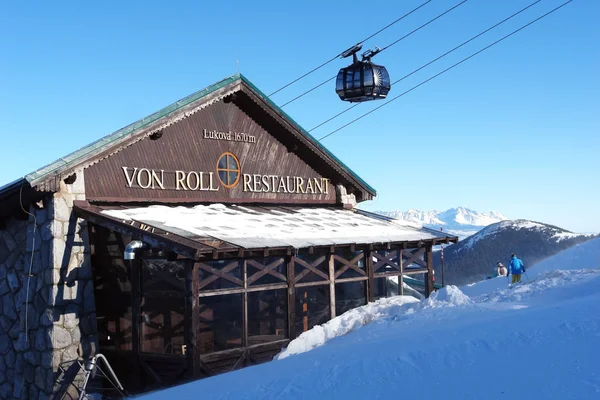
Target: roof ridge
pixel 122 134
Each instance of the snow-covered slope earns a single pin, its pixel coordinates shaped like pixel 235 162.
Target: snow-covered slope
pixel 538 340
pixel 475 257
pixel 458 221
pixel 581 256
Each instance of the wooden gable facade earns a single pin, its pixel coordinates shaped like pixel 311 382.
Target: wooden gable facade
pixel 190 306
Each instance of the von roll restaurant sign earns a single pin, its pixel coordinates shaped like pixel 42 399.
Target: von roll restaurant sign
pixel 227 175
pixel 189 164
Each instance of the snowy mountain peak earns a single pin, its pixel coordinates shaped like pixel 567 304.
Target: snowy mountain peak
pixel 459 221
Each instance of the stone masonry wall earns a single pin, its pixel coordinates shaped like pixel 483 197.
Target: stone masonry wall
pixel 58 293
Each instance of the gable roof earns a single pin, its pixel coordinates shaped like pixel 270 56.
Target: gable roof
pixel 45 178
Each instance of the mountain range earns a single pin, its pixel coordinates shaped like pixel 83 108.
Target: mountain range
pixel 475 257
pixel 459 221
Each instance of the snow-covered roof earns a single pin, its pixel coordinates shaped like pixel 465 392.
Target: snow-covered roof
pixel 260 227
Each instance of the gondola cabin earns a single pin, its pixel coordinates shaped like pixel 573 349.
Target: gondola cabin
pixel 362 80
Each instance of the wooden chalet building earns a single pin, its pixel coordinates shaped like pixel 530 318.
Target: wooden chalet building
pixel 198 240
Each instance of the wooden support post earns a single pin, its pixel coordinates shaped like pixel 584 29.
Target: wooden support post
pixel 136 319
pixel 442 255
pixel 370 275
pixel 245 305
pixel 429 274
pixel 331 286
pixel 192 318
pixel 401 276
pixel 291 298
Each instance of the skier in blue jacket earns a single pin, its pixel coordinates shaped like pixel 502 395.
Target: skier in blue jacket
pixel 516 268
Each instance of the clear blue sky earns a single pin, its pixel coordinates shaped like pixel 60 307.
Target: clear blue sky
pixel 514 130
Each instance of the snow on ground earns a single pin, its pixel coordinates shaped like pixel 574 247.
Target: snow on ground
pixel 584 255
pixel 538 340
pixel 345 323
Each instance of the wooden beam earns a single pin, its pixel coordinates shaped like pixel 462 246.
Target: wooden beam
pixel 192 319
pixel 429 274
pixel 291 306
pixel 370 275
pixel 355 279
pixel 307 284
pixel 245 304
pixel 387 274
pixel 136 319
pixel 413 271
pixel 331 286
pixel 250 289
pixel 401 276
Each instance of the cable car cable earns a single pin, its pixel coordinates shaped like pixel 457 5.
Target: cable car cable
pixel 435 59
pixel 338 55
pixel 402 38
pixel 447 69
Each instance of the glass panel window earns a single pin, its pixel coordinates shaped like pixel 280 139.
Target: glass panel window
pixel 368 80
pixel 386 261
pixel 112 289
pixel 349 295
pixel 312 307
pixel 267 316
pixel 349 77
pixel 221 324
pixel 339 83
pixel 385 287
pixel 317 261
pixel 354 258
pixel 357 80
pixel 223 176
pixel 163 305
pixel 223 163
pixel 230 268
pixel 256 270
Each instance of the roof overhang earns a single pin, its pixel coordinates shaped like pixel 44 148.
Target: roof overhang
pixel 220 231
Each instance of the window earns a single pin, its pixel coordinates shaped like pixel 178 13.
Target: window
pixel 228 170
pixel 349 295
pixel 231 277
pixel 163 306
pixel 312 307
pixel 265 271
pixel 220 325
pixel 267 316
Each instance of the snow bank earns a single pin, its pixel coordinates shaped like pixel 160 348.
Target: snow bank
pixel 384 308
pixel 345 323
pixel 545 332
pixel 448 296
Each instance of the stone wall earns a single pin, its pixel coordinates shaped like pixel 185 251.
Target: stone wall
pixel 47 276
pixel 13 246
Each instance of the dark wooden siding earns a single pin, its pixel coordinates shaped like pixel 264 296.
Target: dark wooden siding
pixel 183 147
